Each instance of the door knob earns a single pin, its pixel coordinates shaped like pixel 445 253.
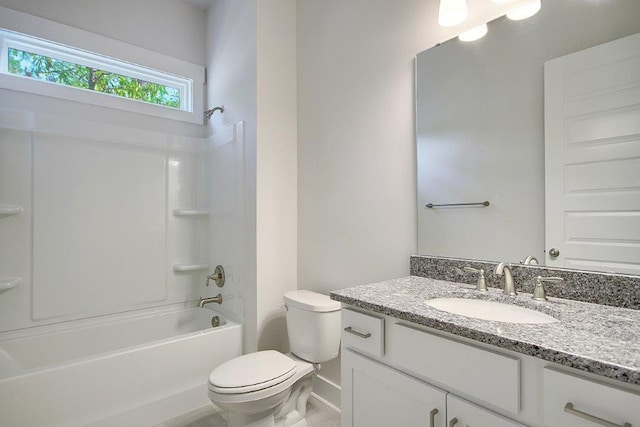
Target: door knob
pixel 553 252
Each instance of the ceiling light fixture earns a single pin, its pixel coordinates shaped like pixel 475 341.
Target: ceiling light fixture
pixel 474 34
pixel 452 12
pixel 524 10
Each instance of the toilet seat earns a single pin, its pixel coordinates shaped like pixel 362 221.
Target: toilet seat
pixel 252 372
pixel 268 388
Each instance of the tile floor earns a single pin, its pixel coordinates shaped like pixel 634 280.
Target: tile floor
pixel 318 415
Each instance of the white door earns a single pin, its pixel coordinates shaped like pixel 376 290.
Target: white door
pixel 592 152
pixel 374 395
pixel 461 413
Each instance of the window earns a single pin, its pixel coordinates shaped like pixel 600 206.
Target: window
pixel 42 67
pixel 32 64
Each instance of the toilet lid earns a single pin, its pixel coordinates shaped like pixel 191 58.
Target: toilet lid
pixel 251 372
pixel 311 301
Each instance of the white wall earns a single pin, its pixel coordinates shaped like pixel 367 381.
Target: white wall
pixel 251 58
pixel 231 50
pixel 276 174
pixel 171 27
pixel 129 37
pixel 356 150
pixel 356 138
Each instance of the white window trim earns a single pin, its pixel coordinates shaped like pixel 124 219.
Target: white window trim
pixel 98 51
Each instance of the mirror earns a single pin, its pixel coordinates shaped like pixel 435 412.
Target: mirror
pixel 481 131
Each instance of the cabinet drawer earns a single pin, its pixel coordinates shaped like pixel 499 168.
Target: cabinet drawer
pixel 485 375
pixel 589 398
pixel 363 332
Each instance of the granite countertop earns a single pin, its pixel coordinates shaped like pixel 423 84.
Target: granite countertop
pixel 600 339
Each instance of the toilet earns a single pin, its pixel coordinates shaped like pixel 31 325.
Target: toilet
pixel 269 388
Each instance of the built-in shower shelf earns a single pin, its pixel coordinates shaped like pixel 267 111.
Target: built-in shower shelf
pixel 185 268
pixel 9 283
pixel 190 213
pixel 9 210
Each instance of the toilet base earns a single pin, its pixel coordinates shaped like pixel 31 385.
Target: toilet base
pixel 290 413
pixel 294 409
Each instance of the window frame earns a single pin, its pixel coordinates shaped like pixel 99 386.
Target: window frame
pixel 51 39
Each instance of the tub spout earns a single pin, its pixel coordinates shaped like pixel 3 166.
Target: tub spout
pixel 204 301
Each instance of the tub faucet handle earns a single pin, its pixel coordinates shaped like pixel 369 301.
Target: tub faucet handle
pixel 217 276
pixel 481 284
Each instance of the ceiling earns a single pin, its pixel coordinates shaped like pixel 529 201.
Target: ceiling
pixel 480 12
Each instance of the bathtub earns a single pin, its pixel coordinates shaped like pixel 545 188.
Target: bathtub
pixel 133 370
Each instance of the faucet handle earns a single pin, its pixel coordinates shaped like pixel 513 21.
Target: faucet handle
pixel 481 285
pixel 217 276
pixel 539 293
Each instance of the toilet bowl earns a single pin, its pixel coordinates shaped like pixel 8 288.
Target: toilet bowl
pixel 271 389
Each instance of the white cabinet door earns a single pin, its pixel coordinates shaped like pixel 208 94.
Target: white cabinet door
pixel 461 413
pixel 592 156
pixel 374 395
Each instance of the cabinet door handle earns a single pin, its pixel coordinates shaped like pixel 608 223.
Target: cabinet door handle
pixel 432 417
pixel 453 422
pixel 568 408
pixel 356 333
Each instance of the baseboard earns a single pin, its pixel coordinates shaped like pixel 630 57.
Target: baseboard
pixel 327 392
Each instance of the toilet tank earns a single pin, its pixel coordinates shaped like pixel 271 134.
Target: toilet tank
pixel 313 325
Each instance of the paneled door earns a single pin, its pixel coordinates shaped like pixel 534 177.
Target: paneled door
pixel 592 152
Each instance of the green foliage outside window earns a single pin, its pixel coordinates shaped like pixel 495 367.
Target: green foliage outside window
pixel 42 67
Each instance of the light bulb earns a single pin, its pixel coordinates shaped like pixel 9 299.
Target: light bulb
pixel 452 12
pixel 474 34
pixel 524 10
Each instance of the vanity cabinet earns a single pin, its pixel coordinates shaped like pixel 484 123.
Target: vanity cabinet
pixel 376 395
pixel 396 373
pixel 461 413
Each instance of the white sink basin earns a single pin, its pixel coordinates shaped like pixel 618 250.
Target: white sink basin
pixel 490 310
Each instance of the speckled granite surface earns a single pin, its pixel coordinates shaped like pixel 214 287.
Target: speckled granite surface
pixel 618 290
pixel 595 338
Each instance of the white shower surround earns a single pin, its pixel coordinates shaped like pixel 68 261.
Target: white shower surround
pixel 68 382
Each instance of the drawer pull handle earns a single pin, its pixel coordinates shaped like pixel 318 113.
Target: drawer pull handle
pixel 432 417
pixel 568 408
pixel 356 333
pixel 453 422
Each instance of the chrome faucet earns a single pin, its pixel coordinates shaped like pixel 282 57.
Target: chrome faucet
pixel 504 269
pixel 204 301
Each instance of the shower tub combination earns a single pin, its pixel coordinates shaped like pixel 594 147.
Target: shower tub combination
pixel 127 370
